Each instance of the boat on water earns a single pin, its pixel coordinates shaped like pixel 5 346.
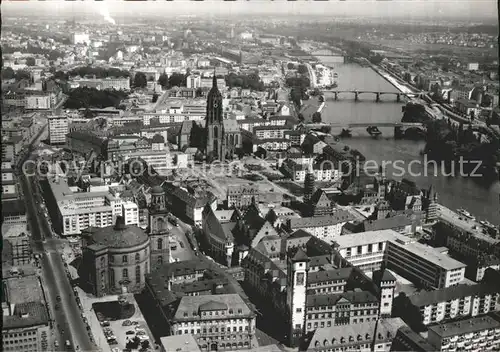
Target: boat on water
pixel 466 214
pixel 373 131
pixel 346 133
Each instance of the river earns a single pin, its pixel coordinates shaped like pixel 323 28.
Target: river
pixel 479 198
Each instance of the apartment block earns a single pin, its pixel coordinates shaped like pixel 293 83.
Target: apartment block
pixel 475 334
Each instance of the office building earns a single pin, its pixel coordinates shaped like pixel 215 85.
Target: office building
pixel 423 264
pixel 58 129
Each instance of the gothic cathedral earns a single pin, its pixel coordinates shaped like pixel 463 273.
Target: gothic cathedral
pixel 223 137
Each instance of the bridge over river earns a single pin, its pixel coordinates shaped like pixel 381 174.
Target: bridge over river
pixel 377 94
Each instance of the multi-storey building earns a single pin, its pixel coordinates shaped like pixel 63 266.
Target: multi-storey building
pixel 322 171
pixel 423 264
pixel 365 250
pixel 104 83
pixel 474 334
pixel 344 308
pixel 218 322
pixel 26 324
pixel 376 336
pixel 76 210
pixel 428 307
pixel 58 129
pixel 241 196
pixel 429 266
pixel 327 227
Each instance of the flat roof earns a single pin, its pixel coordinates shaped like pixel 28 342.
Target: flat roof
pixel 23 289
pixel 430 254
pixel 364 238
pixel 465 326
pixel 179 343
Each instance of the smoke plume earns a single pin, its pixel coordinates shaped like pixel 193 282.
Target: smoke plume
pixel 104 12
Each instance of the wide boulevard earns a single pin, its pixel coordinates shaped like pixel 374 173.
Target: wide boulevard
pixel 69 325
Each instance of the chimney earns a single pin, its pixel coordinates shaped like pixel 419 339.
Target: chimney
pixel 120 223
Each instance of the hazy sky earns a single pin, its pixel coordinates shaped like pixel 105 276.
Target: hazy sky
pixel 445 9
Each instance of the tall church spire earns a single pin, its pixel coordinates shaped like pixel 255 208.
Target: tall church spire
pixel 214 80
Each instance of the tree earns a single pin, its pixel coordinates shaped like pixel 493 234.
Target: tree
pixel 316 117
pixel 163 80
pixel 301 117
pixel 140 80
pixel 290 66
pixel 145 345
pixel 177 80
pixel 199 92
pixel 21 74
pixel 296 96
pixel 8 73
pixel 302 69
pixel 133 344
pixel 155 98
pixel 321 99
pixel 30 61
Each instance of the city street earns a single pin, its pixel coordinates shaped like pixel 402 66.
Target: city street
pixel 63 307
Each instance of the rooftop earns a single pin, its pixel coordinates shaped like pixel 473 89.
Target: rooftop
pixel 189 306
pixel 179 343
pixel 429 254
pixel 321 221
pixel 464 326
pixel 26 315
pixel 425 298
pixel 362 238
pixel 23 289
pixel 118 235
pixel 354 297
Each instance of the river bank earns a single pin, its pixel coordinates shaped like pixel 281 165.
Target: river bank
pixel 478 197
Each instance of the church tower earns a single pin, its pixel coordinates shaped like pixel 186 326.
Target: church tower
pixel 158 230
pixel 214 128
pixel 298 266
pixel 308 185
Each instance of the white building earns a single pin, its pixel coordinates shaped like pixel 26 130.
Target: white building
pixel 80 38
pixel 424 264
pixel 193 81
pixel 38 102
pixel 78 210
pixel 58 129
pixel 130 213
pixel 104 83
pixel 474 334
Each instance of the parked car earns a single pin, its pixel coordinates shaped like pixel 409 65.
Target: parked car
pixel 58 298
pixel 135 323
pixel 130 332
pixel 143 337
pixel 141 333
pixel 105 323
pixel 127 323
pixel 113 342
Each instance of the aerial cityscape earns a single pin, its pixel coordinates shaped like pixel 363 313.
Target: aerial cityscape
pixel 252 176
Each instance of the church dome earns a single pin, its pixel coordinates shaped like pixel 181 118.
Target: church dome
pixel 158 138
pixel 157 190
